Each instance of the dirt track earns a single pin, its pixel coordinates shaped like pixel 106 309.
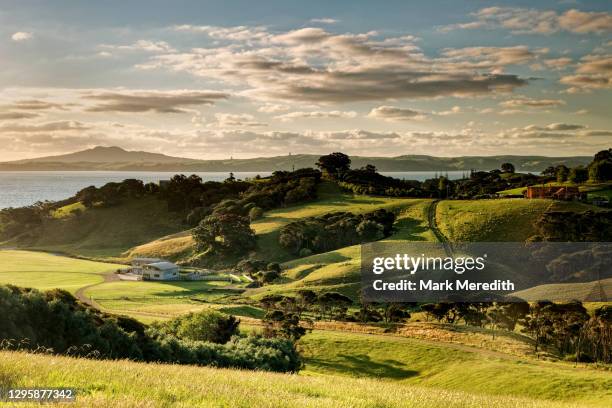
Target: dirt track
pixel 80 294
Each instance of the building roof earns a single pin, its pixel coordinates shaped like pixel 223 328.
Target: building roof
pixel 147 260
pixel 163 266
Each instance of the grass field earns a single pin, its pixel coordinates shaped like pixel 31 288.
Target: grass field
pixel 128 384
pixel 47 271
pixel 440 365
pixel 159 298
pixel 489 220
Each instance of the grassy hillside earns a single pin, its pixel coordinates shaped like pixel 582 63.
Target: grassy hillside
pixel 445 366
pixel 567 291
pixel 489 220
pixel 123 383
pixel 267 228
pixel 46 271
pixel 109 231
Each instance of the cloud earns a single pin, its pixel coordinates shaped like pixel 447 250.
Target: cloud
pixel 238 33
pixel 273 108
pixel 556 127
pixel 17 115
pixel 65 125
pixel 524 102
pixel 287 117
pixel 315 66
pixel 593 72
pixel 493 56
pixel 393 113
pixel 142 45
pixel 37 105
pixel 597 133
pixel 324 20
pixel 22 36
pixel 232 120
pixel 152 101
pixel 533 21
pixel 584 22
pixel 558 63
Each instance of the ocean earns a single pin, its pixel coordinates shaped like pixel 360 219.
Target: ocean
pixel 21 188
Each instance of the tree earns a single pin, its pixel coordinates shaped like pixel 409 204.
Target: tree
pixel 578 175
pixel 208 325
pixel 507 168
pixel 224 233
pixel 334 305
pixel 600 170
pixel 370 168
pixel 334 165
pixel 604 155
pixel 562 173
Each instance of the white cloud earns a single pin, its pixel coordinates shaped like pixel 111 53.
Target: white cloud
pixel 236 120
pixel 142 45
pixel 287 117
pixel 312 65
pixel 324 20
pixel 22 36
pixel 593 72
pixel 533 21
pixel 524 102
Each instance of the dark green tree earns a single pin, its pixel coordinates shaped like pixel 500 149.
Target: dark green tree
pixel 334 165
pixel 224 233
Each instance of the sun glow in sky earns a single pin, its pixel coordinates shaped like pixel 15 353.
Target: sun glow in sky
pixel 213 79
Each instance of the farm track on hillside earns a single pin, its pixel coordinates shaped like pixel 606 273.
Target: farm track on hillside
pixel 431 219
pixel 80 294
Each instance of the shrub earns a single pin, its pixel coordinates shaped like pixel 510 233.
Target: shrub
pixel 207 325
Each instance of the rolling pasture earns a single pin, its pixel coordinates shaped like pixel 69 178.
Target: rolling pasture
pixel 45 271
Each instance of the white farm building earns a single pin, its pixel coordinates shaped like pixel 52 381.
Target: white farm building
pixel 155 269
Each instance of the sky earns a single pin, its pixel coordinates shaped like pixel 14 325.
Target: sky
pixel 220 79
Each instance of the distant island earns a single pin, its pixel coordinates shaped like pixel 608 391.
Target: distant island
pixel 117 159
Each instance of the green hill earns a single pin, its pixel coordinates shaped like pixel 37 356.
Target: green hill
pixel 107 232
pixel 125 383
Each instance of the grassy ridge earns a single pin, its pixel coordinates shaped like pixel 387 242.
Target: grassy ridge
pixel 123 384
pixel 46 271
pixel 489 220
pixel 107 232
pixel 267 228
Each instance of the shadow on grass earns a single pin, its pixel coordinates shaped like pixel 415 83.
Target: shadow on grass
pixel 364 366
pixel 407 229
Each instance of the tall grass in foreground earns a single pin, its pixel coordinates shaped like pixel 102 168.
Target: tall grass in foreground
pixel 128 384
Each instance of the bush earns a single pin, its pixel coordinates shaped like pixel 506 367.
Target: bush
pixel 335 230
pixel 57 322
pixel 207 325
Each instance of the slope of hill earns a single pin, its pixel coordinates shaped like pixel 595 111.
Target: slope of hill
pixel 125 383
pixel 102 154
pixel 115 158
pixel 108 231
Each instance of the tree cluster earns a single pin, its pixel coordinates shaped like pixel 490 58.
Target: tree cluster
pixel 566 226
pixel 567 328
pixel 55 322
pixel 335 230
pixel 261 271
